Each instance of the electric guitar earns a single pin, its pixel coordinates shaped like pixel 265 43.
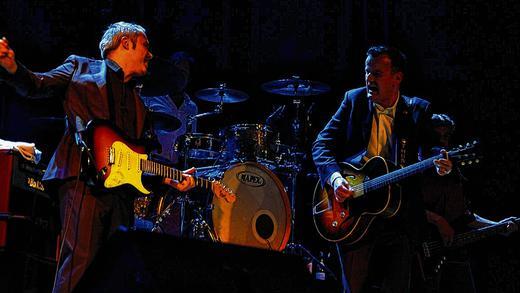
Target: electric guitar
pixel 373 195
pixel 117 161
pixel 433 251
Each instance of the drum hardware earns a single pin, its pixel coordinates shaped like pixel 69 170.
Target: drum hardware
pixel 172 219
pixel 191 118
pixel 200 228
pixel 299 249
pixel 221 94
pixel 296 88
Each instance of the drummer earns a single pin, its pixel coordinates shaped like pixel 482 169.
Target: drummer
pixel 169 108
pixel 174 105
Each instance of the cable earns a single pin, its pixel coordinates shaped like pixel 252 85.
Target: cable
pixel 344 282
pixel 66 228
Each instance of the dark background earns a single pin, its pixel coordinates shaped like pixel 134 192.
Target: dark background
pixel 463 58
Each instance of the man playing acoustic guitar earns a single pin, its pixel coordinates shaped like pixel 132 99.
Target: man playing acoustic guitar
pixel 374 126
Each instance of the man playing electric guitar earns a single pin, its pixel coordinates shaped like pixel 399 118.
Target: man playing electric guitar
pixel 89 89
pixel 377 124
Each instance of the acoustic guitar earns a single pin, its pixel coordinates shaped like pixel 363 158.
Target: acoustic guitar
pixel 373 197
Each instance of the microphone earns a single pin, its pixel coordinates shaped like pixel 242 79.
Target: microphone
pixel 277 114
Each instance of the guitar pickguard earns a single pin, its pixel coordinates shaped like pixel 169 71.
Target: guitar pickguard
pixel 124 167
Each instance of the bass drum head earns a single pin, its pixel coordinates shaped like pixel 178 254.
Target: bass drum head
pixel 261 215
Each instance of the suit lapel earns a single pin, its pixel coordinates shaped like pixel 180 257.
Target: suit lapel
pixel 367 122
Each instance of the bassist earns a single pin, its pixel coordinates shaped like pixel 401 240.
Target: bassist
pixel 449 211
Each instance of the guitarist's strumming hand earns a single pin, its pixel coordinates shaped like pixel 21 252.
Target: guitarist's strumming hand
pixel 445 230
pixel 342 189
pixel 187 182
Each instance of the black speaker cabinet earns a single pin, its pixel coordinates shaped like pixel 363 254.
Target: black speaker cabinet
pixel 28 226
pixel 151 262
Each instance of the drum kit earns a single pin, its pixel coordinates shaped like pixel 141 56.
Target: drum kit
pixel 246 158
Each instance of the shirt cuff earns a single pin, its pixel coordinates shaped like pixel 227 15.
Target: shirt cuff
pixel 333 177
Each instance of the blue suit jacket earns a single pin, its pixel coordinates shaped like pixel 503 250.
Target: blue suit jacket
pixel 346 136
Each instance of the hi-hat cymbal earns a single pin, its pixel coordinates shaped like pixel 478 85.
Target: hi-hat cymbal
pixel 295 87
pixel 164 121
pixel 221 94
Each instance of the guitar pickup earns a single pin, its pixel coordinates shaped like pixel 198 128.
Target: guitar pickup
pixel 111 156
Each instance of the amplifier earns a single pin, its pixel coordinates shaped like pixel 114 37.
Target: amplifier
pixel 23 198
pixel 28 226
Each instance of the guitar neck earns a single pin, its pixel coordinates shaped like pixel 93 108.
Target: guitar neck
pixel 479 234
pixel 434 247
pixel 162 170
pixel 400 174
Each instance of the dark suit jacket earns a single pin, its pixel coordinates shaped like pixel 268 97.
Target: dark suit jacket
pixel 82 84
pixel 345 137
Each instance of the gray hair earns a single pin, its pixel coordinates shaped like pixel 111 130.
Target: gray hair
pixel 115 32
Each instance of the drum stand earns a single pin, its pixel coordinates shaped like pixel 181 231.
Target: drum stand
pixel 297 127
pixel 294 247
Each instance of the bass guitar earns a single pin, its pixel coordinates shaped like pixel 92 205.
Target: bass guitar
pixel 373 195
pixel 117 161
pixel 433 251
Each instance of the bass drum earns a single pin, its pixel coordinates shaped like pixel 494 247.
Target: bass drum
pixel 261 215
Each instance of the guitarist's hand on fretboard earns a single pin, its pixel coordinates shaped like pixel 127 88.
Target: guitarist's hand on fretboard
pixel 511 227
pixel 187 182
pixel 443 165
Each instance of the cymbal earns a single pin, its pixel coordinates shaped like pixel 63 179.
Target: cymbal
pixel 163 121
pixel 295 87
pixel 221 94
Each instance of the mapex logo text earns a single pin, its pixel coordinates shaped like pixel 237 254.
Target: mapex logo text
pixel 250 179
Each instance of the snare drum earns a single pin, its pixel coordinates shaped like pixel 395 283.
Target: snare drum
pixel 249 142
pixel 260 216
pixel 199 148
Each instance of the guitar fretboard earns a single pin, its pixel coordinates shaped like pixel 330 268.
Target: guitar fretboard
pixel 162 170
pixel 398 175
pixel 459 240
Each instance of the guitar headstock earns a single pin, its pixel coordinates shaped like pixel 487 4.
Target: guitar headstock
pixel 466 154
pixel 220 190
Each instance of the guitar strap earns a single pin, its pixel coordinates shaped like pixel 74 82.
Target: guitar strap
pixel 110 97
pixel 402 129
